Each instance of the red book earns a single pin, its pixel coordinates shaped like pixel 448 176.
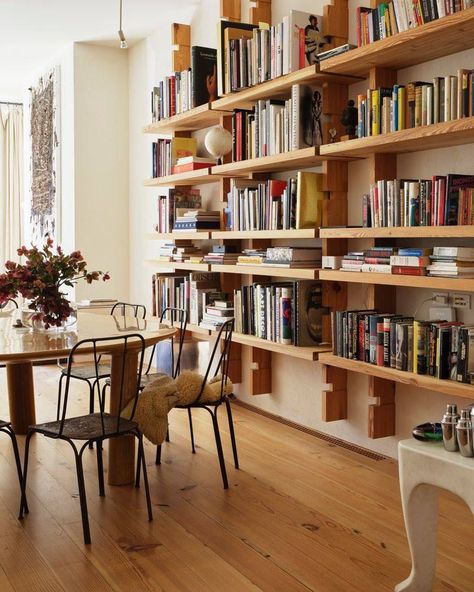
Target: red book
pixel 191 166
pixel 302 47
pixel 402 270
pixel 379 346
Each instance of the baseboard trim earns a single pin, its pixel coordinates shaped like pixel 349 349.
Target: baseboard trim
pixel 317 434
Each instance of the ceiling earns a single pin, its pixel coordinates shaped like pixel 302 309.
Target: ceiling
pixel 32 32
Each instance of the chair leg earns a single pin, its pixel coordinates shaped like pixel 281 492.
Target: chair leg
pixel 23 503
pixel 139 463
pixel 60 387
pixel 145 477
pixel 8 430
pixel 220 452
pixel 91 404
pixel 158 455
pixel 191 431
pixel 100 468
pixel 82 496
pixel 232 433
pixel 167 438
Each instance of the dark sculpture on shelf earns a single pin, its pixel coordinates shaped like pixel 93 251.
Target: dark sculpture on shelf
pixel 349 118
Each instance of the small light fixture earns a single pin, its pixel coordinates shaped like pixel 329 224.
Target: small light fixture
pixel 123 41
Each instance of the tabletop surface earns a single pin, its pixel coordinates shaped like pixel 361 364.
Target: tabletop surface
pixel 436 450
pixel 18 345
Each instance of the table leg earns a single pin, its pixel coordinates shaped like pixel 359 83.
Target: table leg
pixel 21 395
pixel 420 509
pixel 122 450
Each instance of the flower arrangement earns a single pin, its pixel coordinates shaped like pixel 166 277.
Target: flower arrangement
pixel 41 278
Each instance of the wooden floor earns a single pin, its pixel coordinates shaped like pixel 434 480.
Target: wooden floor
pixel 300 515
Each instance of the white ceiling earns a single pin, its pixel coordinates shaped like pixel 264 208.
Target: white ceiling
pixel 34 31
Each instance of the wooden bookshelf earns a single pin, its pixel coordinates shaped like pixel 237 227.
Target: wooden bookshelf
pixel 303 353
pixel 427 137
pixel 265 234
pixel 192 120
pixel 286 161
pixel 199 177
pixel 278 88
pixel 441 37
pixel 399 232
pixel 447 387
pixel 407 281
pixel 199 235
pixel 177 265
pixel 268 270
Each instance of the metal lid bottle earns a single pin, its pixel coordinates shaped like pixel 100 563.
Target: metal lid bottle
pixel 464 433
pixel 448 425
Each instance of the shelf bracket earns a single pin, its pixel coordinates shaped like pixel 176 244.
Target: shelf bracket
pixel 261 371
pixel 381 414
pixel 181 41
pixel 334 393
pixel 261 12
pixel 231 10
pixel 336 23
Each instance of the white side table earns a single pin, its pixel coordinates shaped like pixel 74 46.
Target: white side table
pixel 424 466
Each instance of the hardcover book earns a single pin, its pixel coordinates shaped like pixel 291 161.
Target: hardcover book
pixel 203 75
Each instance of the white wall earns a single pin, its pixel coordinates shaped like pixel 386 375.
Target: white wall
pixel 297 394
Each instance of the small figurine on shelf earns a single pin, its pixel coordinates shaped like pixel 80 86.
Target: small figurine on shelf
pixel 349 119
pixel 332 131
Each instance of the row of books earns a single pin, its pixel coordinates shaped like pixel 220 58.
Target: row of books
pixel 443 200
pixel 184 251
pixel 390 18
pixel 189 88
pixel 176 203
pixel 250 54
pixel 276 204
pixel 417 261
pixel 282 312
pixel 391 109
pixel 289 257
pixel 441 349
pixel 167 152
pixel 276 126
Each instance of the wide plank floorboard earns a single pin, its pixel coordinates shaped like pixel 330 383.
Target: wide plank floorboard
pixel 301 515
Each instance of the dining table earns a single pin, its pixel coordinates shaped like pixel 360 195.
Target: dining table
pixel 21 347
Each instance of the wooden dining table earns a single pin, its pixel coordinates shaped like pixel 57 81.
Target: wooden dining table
pixel 19 348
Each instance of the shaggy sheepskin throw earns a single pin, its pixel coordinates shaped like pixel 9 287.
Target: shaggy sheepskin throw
pixel 189 385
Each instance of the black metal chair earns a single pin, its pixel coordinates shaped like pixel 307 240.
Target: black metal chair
pixel 6 428
pixel 5 304
pixel 218 365
pixel 94 427
pixel 87 372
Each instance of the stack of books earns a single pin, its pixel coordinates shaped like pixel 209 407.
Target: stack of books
pixel 186 89
pixel 187 164
pixel 250 54
pixel 195 220
pixel 276 204
pixel 275 126
pixel 293 257
pixel 390 109
pixel 221 255
pixel 410 261
pixel 185 251
pixel 216 314
pixel 441 349
pixel 443 200
pixel 283 312
pixel 452 262
pixel 390 18
pixel 165 154
pixel 174 203
pixel 252 257
pixel 376 259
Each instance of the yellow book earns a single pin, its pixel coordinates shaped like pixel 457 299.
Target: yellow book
pixel 181 147
pixel 375 112
pixel 309 200
pixel 401 107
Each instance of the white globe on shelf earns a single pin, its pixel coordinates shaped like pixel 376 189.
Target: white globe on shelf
pixel 218 142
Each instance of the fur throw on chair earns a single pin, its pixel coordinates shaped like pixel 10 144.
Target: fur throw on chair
pixel 189 384
pixel 154 403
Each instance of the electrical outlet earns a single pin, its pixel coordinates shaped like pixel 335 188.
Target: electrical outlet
pixel 441 298
pixel 461 301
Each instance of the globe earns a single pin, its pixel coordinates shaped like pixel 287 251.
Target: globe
pixel 218 141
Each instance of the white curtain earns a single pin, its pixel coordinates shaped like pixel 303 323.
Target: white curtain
pixel 11 181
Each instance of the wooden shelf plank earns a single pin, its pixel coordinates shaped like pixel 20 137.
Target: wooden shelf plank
pixel 265 234
pixel 180 265
pixel 198 177
pixel 267 270
pixel 400 232
pixel 447 387
pixel 304 158
pixel 194 119
pixel 303 353
pixel 427 137
pixel 387 279
pixel 441 37
pixel 278 88
pixel 199 235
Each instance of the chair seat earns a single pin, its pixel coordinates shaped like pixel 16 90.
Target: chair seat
pixel 86 427
pixel 88 372
pixel 4 424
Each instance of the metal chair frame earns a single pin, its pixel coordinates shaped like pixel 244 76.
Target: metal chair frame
pixel 6 428
pixel 4 304
pixel 56 431
pixel 224 342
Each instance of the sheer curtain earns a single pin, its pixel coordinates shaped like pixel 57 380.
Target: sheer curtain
pixel 11 181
